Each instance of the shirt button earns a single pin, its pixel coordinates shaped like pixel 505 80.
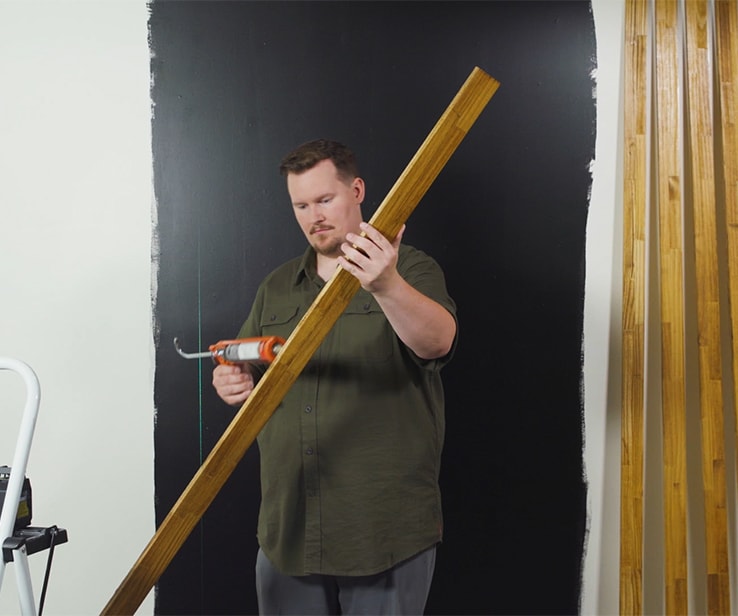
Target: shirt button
pixel 273 317
pixel 367 306
pixel 309 451
pixel 308 409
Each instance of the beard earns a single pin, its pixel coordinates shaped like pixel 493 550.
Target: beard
pixel 328 247
pixel 328 243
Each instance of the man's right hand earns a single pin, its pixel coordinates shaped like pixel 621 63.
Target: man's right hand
pixel 233 383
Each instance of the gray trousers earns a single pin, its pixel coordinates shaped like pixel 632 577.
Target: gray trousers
pixel 401 590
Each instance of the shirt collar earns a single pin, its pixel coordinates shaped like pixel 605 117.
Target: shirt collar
pixel 308 267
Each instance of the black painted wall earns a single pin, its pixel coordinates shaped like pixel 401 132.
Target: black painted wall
pixel 237 84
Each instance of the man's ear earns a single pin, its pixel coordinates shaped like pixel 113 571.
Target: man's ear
pixel 359 189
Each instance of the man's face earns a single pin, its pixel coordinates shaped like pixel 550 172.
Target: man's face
pixel 325 206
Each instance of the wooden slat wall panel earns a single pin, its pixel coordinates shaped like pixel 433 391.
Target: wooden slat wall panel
pixel 702 166
pixel 671 254
pixel 682 41
pixel 634 282
pixel 726 42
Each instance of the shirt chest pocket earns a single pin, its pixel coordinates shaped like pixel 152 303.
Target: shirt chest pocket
pixel 362 333
pixel 279 319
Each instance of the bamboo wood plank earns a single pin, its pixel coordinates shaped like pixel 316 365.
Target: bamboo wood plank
pixel 726 42
pixel 701 160
pixel 633 316
pixel 669 200
pixel 392 213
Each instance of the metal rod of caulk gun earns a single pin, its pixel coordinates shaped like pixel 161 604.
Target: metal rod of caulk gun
pixel 190 355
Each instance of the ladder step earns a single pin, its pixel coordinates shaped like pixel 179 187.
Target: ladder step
pixel 34 538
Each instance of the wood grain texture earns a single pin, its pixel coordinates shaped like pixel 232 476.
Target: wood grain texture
pixel 633 317
pixel 726 43
pixel 671 255
pixel 392 213
pixel 701 161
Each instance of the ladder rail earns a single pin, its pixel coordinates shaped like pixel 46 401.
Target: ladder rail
pixel 18 473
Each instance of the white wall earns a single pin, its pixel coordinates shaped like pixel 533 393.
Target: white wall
pixel 75 290
pixel 602 322
pixel 75 293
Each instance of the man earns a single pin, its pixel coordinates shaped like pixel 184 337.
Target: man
pixel 351 510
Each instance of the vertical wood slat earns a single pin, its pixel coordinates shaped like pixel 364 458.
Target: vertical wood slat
pixel 633 317
pixel 702 163
pixel 726 43
pixel 669 197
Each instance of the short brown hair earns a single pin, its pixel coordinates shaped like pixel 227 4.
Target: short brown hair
pixel 309 154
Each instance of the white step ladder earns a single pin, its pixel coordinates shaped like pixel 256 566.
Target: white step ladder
pixel 18 544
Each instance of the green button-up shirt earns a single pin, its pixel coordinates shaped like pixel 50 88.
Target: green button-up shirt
pixel 350 458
